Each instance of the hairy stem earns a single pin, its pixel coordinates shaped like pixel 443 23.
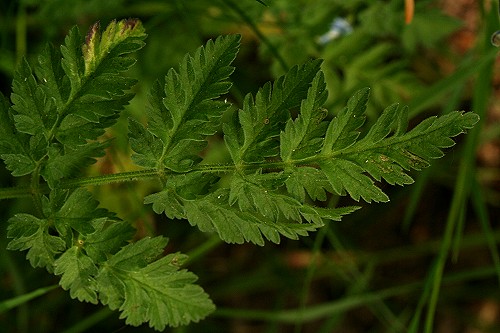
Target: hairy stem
pixel 37 189
pixel 35 186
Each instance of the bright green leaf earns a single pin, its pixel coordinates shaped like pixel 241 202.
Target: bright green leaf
pixel 78 272
pixel 149 290
pixel 386 151
pixel 32 234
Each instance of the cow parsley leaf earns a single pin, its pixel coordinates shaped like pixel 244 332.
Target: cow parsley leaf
pixel 253 136
pixel 147 289
pixel 109 236
pixel 69 98
pixel 32 234
pixel 78 271
pixel 184 109
pixel 286 155
pixel 292 161
pixel 307 180
pixel 232 213
pixel 348 162
pixel 303 136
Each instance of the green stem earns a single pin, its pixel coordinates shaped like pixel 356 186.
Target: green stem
pixel 36 193
pixel 326 310
pixel 248 20
pixel 21 33
pixel 19 288
pixel 37 189
pixel 311 269
pixel 86 324
pixel 204 248
pixel 19 300
pixel 465 176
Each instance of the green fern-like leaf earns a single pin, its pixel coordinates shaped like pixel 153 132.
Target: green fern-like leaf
pixel 347 162
pixel 213 213
pixel 303 136
pixel 184 109
pixel 252 137
pixel 287 160
pixel 280 163
pixel 78 272
pixel 32 234
pixel 133 276
pixel 70 98
pixel 13 145
pixel 68 213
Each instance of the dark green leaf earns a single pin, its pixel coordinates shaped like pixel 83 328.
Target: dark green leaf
pixel 18 164
pixel 183 109
pixel 78 212
pixel 262 119
pixel 251 195
pixel 302 137
pixel 307 179
pixel 109 236
pixel 63 163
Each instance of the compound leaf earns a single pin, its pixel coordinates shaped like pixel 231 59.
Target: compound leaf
pixel 183 110
pixel 77 274
pixel 108 237
pixel 281 164
pixel 32 234
pixel 347 161
pixel 213 213
pixel 148 290
pixel 69 98
pixel 252 137
pixel 302 137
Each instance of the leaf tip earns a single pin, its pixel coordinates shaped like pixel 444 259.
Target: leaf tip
pixel 470 119
pixel 91 33
pixel 130 24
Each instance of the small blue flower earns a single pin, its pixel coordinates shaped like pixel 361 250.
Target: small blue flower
pixel 339 27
